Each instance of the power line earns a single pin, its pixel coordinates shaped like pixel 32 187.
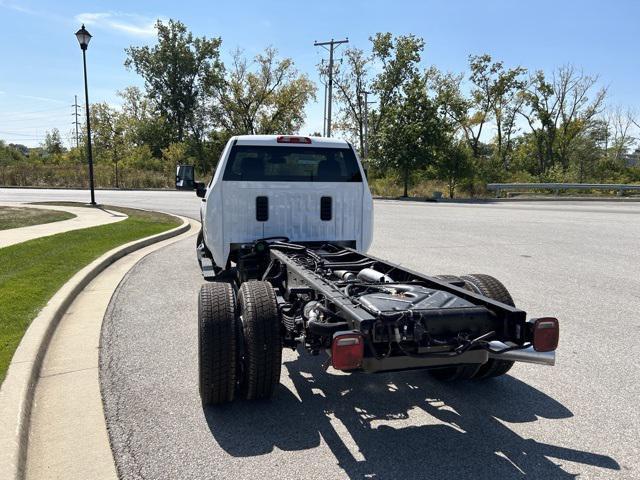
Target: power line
pixel 22 139
pixel 53 119
pixel 38 126
pixel 332 45
pixel 20 134
pixel 36 111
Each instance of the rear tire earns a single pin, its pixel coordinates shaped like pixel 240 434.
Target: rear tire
pixel 490 287
pixel 450 374
pixel 262 341
pixel 461 372
pixel 217 343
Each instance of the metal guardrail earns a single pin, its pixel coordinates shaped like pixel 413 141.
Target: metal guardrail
pixel 556 187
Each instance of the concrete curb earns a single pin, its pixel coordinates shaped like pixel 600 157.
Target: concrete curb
pixel 16 394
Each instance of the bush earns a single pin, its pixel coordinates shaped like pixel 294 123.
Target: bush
pixel 77 176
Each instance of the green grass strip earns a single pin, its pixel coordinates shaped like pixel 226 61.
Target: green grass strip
pixel 16 217
pixel 32 272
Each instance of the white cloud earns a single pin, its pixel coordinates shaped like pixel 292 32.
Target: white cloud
pixel 17 8
pixel 43 99
pixel 127 23
pixel 36 13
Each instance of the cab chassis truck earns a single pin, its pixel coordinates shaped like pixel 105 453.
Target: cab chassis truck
pixel 327 294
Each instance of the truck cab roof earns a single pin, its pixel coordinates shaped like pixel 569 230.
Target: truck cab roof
pixel 290 140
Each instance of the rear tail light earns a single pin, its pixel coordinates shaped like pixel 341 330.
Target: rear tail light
pixel 347 350
pixel 292 139
pixel 546 333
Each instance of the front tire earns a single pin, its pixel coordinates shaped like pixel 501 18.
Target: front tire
pixel 217 326
pixel 261 340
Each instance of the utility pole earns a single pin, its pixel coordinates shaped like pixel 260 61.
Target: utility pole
pixel 332 45
pixel 76 123
pixel 324 118
pixel 324 102
pixel 365 153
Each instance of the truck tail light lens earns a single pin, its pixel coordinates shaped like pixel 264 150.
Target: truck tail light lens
pixel 347 350
pixel 546 333
pixel 292 139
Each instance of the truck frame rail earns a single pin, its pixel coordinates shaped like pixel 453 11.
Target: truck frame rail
pixel 405 319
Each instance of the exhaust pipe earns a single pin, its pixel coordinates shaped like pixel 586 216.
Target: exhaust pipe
pixel 526 355
pixel 373 276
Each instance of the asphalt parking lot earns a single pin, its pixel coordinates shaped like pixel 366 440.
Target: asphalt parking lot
pixel 577 261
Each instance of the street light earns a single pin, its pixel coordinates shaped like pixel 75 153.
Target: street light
pixel 83 39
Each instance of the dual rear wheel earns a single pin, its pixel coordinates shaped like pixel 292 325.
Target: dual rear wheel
pixel 239 342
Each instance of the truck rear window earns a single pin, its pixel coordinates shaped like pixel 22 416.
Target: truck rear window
pixel 292 164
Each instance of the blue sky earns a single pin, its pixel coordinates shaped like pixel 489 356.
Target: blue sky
pixel 42 67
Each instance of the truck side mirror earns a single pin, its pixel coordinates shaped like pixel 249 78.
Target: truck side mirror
pixel 185 176
pixel 200 188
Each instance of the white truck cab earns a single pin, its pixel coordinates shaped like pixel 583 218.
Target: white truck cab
pixel 308 189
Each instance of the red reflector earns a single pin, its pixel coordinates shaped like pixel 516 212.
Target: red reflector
pixel 347 350
pixel 546 333
pixel 290 139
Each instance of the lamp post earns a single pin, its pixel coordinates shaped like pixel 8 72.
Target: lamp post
pixel 83 39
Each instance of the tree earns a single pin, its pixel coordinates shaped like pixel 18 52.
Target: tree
pixel 410 135
pixel 351 80
pixel 109 135
pixel 143 125
pixel 12 153
pixel 454 165
pixel 588 149
pixel 618 132
pixel 447 94
pixel 400 61
pixel 507 102
pixel 175 154
pixel 558 111
pixel 53 142
pixel 492 98
pixel 409 128
pixel 176 71
pixel 265 96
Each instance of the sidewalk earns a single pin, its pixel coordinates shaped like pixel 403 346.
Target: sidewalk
pixel 85 217
pixel 68 437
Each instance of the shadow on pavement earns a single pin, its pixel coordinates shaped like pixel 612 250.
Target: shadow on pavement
pixel 112 213
pixel 402 425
